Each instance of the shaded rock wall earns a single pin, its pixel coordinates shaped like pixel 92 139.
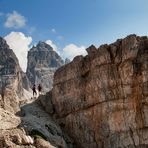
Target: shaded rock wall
pixel 101 99
pixel 11 85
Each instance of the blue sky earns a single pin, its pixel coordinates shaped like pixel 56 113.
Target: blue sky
pixel 75 22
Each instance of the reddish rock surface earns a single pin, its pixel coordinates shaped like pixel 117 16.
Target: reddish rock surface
pixel 102 99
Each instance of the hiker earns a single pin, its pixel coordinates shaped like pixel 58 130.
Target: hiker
pixel 39 89
pixel 34 90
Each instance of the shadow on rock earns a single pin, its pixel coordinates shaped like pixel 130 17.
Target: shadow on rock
pixel 41 126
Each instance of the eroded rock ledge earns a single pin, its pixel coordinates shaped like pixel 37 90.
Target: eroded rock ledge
pixel 102 99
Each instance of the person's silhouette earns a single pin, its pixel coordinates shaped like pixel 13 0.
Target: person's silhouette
pixel 34 90
pixel 39 89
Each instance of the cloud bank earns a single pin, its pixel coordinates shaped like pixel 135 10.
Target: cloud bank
pixel 20 45
pixel 69 51
pixel 72 50
pixel 49 42
pixel 54 46
pixel 15 20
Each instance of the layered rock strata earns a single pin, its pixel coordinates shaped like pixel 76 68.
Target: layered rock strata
pixel 101 100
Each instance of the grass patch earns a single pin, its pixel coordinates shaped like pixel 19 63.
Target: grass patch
pixel 37 134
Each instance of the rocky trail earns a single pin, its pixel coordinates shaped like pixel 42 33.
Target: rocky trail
pixel 31 127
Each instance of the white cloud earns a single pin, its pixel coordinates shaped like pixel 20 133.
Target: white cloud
pixel 20 45
pixel 49 42
pixel 15 20
pixel 72 50
pixel 53 30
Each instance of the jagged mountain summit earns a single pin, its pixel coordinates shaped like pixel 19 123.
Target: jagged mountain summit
pixel 42 63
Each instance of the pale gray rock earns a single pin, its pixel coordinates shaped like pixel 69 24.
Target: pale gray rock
pixel 35 118
pixel 67 61
pixel 15 138
pixel 42 63
pixel 8 120
pixel 11 85
pixel 41 143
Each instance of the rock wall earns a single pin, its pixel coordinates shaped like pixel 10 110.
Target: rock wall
pixel 42 63
pixel 23 122
pixel 101 100
pixel 11 85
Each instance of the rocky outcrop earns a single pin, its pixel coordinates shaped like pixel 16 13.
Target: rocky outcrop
pixel 42 63
pixel 25 81
pixel 11 91
pixel 39 124
pixel 31 128
pixel 15 138
pixel 11 86
pixel 24 126
pixel 101 100
pixel 10 135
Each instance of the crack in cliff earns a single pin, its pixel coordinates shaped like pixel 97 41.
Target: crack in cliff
pixel 88 107
pixel 132 136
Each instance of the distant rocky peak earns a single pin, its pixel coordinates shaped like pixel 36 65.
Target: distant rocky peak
pixel 67 61
pixel 43 54
pixel 3 44
pixel 44 46
pixel 2 40
pixel 42 63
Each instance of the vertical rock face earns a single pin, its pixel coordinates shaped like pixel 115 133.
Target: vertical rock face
pixel 42 63
pixel 102 99
pixel 10 78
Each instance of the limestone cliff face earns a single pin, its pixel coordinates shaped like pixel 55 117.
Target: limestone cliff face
pixel 42 63
pixel 24 126
pixel 102 99
pixel 11 88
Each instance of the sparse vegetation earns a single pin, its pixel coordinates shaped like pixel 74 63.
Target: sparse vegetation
pixel 37 134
